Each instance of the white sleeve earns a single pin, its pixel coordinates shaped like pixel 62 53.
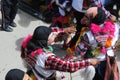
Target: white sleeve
pixel 42 58
pixel 110 51
pixel 116 34
pixel 40 65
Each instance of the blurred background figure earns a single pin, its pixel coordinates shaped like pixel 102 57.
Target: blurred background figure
pixel 9 10
pixel 109 5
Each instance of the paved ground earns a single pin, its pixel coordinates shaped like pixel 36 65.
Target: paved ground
pixel 10 44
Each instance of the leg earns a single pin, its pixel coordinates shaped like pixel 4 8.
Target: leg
pixel 5 14
pixel 13 13
pixel 5 10
pixel 100 71
pixel 88 73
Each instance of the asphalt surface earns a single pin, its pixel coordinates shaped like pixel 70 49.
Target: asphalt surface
pixel 10 45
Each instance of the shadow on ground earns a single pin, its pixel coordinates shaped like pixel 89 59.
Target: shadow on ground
pixel 18 43
pixel 58 50
pixel 25 21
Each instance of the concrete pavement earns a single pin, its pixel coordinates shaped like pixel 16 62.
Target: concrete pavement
pixel 10 44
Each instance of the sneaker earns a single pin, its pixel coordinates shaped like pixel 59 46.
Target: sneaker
pixel 13 24
pixel 8 29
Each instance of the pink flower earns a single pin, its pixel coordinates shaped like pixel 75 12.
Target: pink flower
pixel 108 28
pixel 95 28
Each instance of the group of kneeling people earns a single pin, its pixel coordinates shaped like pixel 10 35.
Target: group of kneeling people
pixel 95 44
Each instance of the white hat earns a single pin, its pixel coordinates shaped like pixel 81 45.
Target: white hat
pixel 77 5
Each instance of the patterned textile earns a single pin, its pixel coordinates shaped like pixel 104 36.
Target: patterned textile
pixel 95 39
pixel 112 72
pixel 107 70
pixel 56 63
pixel 56 29
pixel 29 61
pixel 97 3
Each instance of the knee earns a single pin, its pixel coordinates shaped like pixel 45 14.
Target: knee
pixel 90 71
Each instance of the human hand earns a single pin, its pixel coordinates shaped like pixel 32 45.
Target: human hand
pixel 69 29
pixel 94 61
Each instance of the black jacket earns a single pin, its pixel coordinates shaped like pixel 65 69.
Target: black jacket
pixel 10 2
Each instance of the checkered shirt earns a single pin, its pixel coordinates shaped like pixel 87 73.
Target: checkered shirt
pixel 55 63
pixel 57 29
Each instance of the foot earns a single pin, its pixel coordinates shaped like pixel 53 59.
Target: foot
pixel 13 24
pixel 8 29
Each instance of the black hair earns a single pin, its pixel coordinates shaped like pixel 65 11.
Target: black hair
pixel 100 17
pixel 39 39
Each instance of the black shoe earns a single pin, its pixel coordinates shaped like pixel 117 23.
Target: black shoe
pixel 8 29
pixel 13 24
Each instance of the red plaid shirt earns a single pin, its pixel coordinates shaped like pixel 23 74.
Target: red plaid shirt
pixel 57 29
pixel 55 63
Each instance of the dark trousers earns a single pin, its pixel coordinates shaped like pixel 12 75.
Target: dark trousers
pixel 118 4
pixel 8 13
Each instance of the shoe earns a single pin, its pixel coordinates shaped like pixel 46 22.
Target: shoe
pixel 13 24
pixel 8 29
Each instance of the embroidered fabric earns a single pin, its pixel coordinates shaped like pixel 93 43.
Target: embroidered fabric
pixel 98 41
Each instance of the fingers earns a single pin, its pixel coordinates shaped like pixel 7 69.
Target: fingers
pixel 70 29
pixel 94 61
